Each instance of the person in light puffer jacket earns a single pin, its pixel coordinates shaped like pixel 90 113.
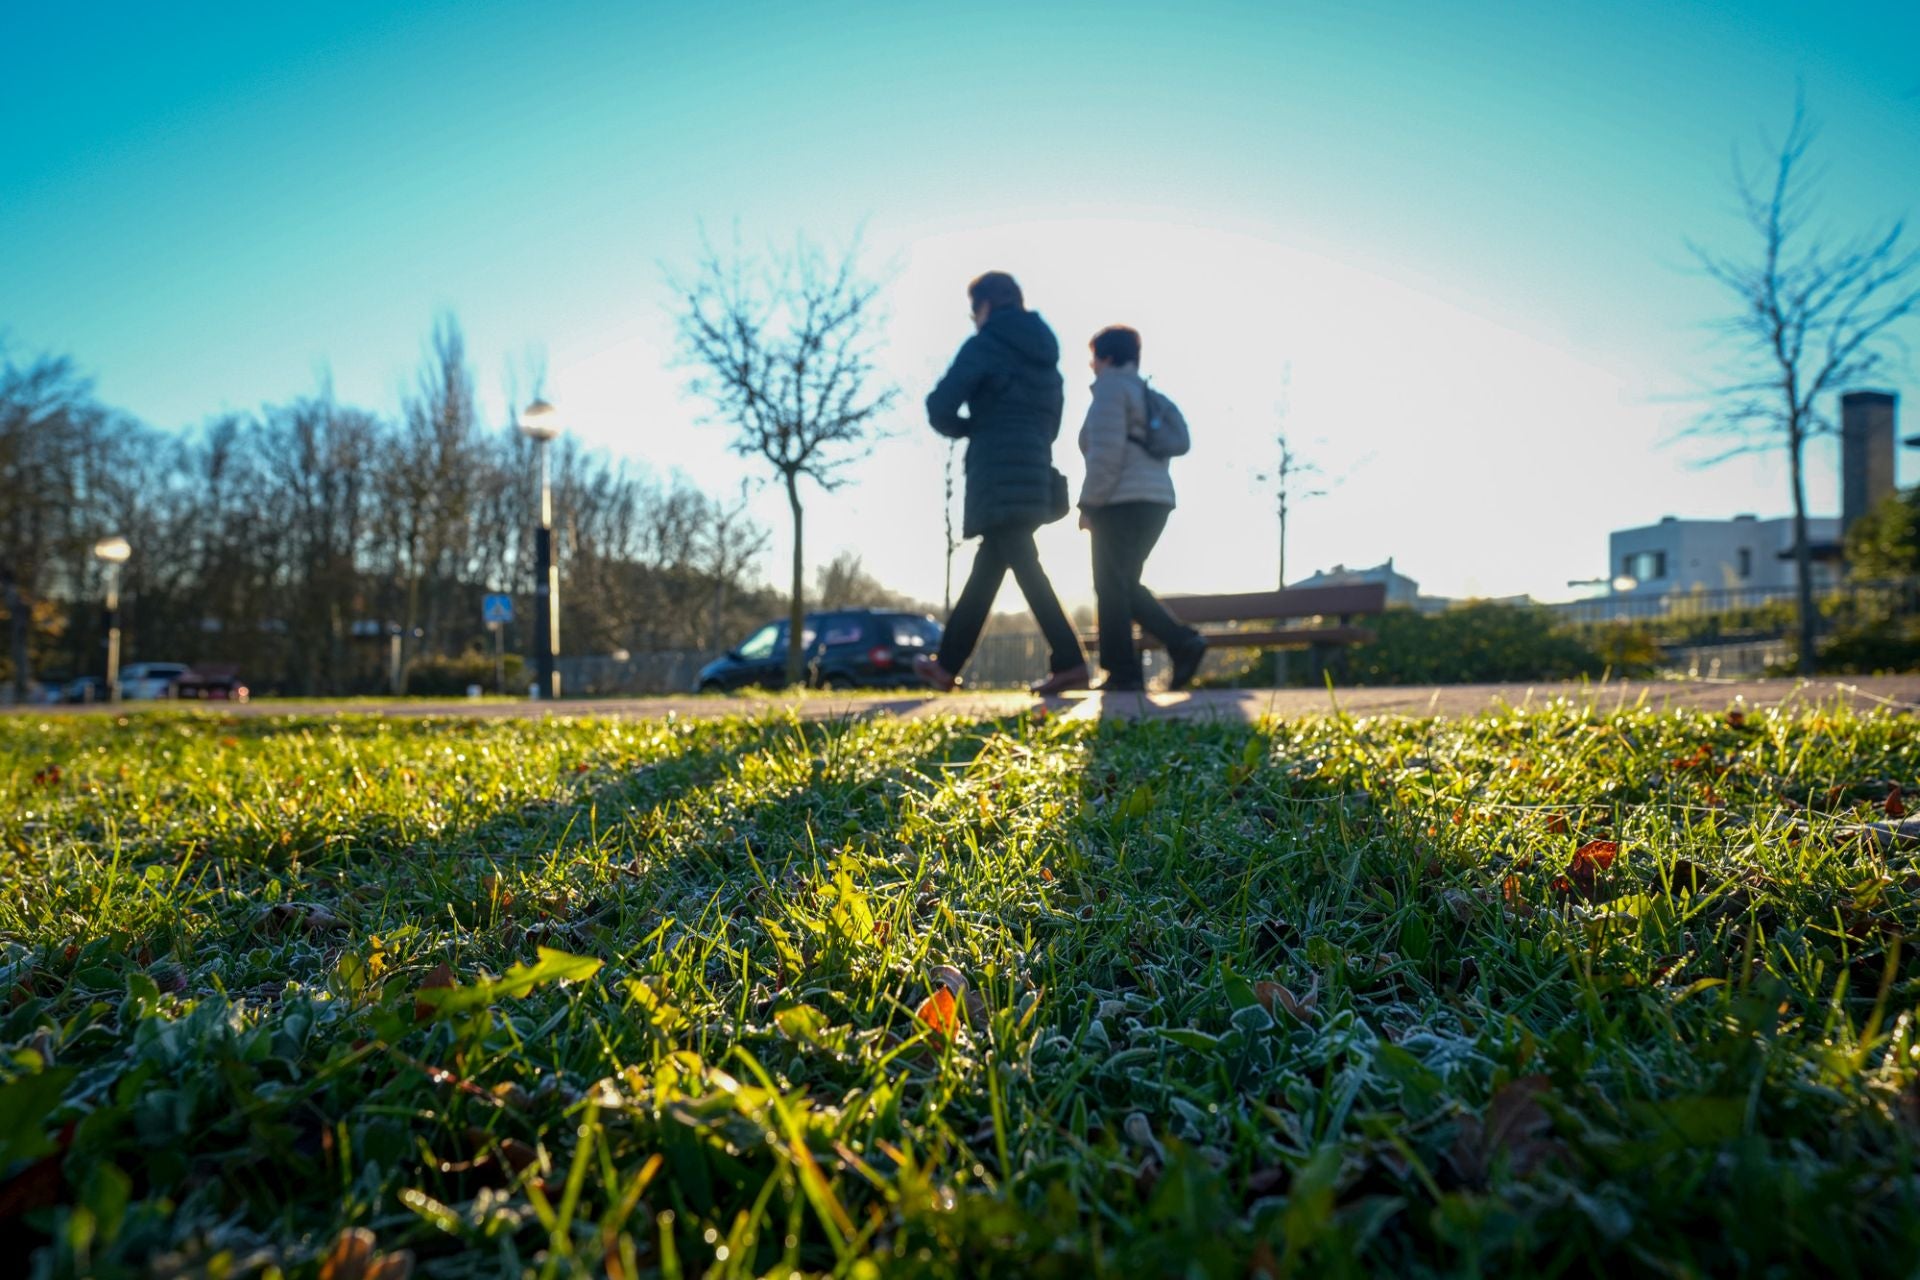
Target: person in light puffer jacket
pixel 1124 502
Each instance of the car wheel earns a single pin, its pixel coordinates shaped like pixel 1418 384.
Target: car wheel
pixel 712 686
pixel 838 681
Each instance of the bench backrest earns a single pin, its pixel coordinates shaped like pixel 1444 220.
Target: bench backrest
pixel 1295 602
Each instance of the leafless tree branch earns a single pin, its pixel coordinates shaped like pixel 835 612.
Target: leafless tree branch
pixel 1812 317
pixel 782 347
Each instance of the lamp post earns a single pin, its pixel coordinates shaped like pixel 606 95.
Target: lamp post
pixel 540 422
pixel 113 552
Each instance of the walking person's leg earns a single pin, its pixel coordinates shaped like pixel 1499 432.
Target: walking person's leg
pixel 970 611
pixel 1066 662
pixel 1144 523
pixel 1113 597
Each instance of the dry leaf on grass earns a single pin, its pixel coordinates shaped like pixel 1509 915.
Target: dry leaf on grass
pixel 1515 1131
pixel 355 1256
pixel 1589 860
pixel 440 976
pixel 1276 996
pixel 284 917
pixel 940 1012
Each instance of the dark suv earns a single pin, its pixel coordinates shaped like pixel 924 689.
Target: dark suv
pixel 845 649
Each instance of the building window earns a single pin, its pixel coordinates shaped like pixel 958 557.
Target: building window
pixel 1645 566
pixel 1746 562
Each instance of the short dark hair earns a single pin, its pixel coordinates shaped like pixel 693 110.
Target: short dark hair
pixel 999 289
pixel 1118 344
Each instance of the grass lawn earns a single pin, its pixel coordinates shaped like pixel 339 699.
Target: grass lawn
pixel 1540 992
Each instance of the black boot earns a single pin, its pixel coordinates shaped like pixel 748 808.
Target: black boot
pixel 1186 661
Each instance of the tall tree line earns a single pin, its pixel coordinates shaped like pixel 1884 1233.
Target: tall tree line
pixel 296 541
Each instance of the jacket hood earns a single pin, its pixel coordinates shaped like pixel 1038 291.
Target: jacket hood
pixel 1025 334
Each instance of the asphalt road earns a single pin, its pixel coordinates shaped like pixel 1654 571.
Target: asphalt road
pixel 1893 693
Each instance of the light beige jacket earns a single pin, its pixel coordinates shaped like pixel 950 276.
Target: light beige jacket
pixel 1119 470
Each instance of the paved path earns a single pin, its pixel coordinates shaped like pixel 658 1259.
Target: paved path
pixel 1899 693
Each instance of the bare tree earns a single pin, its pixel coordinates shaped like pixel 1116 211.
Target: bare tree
pixel 731 542
pixel 1813 318
pixel 318 460
pixel 784 349
pixel 46 413
pixel 844 583
pixel 948 488
pixel 429 479
pixel 1293 478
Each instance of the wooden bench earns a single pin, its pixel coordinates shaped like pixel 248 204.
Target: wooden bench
pixel 1286 614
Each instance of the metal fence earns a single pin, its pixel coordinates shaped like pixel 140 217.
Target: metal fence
pixel 1762 604
pixel 600 676
pixel 1715 661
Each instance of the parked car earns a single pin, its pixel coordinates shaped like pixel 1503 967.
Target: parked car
pixel 220 682
pixel 84 689
pixel 144 681
pixel 845 649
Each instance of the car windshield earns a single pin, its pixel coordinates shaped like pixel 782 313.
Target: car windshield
pixel 760 644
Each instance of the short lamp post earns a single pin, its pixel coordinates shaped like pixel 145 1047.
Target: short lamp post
pixel 113 552
pixel 540 422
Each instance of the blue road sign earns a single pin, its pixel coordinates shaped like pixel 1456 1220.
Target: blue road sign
pixel 496 610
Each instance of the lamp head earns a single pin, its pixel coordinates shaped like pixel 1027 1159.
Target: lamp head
pixel 1625 583
pixel 540 421
pixel 114 550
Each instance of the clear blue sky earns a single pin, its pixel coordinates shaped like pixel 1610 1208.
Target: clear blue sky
pixel 1455 232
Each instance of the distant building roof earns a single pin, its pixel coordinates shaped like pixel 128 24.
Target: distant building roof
pixel 1400 588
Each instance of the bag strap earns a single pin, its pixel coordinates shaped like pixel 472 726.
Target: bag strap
pixel 1146 407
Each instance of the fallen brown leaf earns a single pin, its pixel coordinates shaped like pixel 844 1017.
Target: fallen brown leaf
pixel 1515 1130
pixel 938 1011
pixel 1589 860
pixel 441 975
pixel 355 1256
pixel 1276 996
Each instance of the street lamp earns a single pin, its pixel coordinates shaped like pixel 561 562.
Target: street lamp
pixel 540 423
pixel 113 552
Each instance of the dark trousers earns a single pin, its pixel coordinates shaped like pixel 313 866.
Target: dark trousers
pixel 1001 550
pixel 1123 538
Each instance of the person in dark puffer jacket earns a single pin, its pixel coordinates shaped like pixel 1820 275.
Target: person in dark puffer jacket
pixel 1007 376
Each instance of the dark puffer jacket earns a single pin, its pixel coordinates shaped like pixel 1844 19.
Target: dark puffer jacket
pixel 1008 377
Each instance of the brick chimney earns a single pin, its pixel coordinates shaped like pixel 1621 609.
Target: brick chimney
pixel 1866 452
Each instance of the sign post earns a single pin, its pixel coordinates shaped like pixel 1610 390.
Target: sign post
pixel 497 612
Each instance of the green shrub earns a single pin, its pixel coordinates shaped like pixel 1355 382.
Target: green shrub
pixel 439 676
pixel 1472 644
pixel 1876 647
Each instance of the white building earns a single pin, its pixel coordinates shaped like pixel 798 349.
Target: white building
pixel 1401 590
pixel 1748 553
pixel 1719 555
